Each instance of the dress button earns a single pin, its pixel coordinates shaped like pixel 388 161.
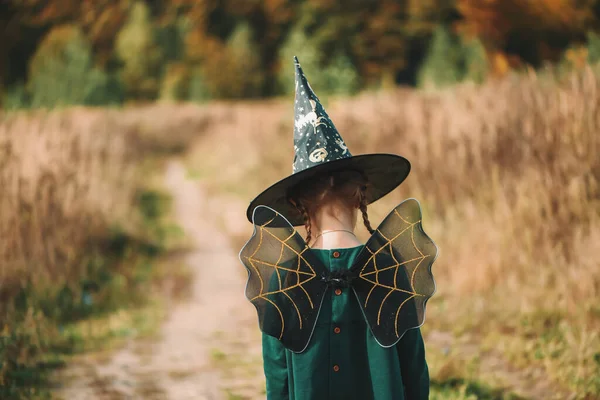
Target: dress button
pixel 336 368
pixel 338 291
pixel 337 329
pixel 336 254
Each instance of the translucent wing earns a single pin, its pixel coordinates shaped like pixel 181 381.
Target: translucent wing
pixel 393 274
pixel 284 279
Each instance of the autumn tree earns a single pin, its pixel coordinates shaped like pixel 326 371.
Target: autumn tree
pixel 158 49
pixel 62 73
pixel 533 30
pixel 99 20
pixel 452 58
pixel 593 48
pixel 141 57
pixel 334 73
pixel 442 64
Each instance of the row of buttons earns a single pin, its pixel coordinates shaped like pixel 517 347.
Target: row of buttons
pixel 336 330
pixel 338 291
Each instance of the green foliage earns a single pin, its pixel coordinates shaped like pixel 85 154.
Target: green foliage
pixel 109 90
pixel 15 98
pixel 135 43
pixel 243 49
pixel 452 59
pixel 464 389
pixel 137 49
pixel 62 73
pixel 475 62
pixel 593 47
pixel 341 75
pixel 152 206
pixel 299 44
pixel 198 90
pixel 244 71
pixel 246 61
pixel 175 83
pixel 442 63
pixel 336 75
pixel 170 38
pixel 20 344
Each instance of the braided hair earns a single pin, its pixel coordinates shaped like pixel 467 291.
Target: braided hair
pixel 305 217
pixel 348 187
pixel 362 206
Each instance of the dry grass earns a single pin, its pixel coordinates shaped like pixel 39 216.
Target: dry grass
pixel 67 178
pixel 55 172
pixel 80 221
pixel 508 174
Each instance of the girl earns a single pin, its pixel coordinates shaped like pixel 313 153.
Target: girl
pixel 345 349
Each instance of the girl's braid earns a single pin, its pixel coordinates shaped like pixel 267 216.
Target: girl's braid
pixel 363 209
pixel 302 210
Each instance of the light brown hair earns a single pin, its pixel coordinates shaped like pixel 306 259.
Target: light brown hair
pixel 347 188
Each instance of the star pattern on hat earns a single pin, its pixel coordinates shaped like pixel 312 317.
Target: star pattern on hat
pixel 316 140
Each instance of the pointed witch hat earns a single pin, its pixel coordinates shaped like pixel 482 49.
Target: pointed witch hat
pixel 320 149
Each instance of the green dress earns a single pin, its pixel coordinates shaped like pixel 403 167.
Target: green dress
pixel 343 360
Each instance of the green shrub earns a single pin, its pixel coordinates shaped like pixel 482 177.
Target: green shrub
pixel 137 49
pixel 170 38
pixel 175 83
pixel 336 75
pixel 198 90
pixel 61 73
pixel 593 47
pixel 441 66
pixel 474 59
pixel 15 98
pixel 247 75
pixel 341 76
pixel 452 59
pixel 22 340
pixel 299 44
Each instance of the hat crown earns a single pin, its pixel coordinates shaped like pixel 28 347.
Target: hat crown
pixel 316 139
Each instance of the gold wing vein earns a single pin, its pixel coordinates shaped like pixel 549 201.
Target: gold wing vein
pixel 279 265
pixel 399 230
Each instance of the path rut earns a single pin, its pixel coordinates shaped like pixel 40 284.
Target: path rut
pixel 215 325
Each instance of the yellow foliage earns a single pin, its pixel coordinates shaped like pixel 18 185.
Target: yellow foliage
pixel 577 57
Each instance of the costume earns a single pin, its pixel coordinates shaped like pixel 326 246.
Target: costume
pixel 319 149
pixel 357 339
pixel 365 370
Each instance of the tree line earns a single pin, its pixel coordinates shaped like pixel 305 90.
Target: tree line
pixel 60 52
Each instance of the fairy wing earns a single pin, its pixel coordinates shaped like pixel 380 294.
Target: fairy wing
pixel 393 274
pixel 284 279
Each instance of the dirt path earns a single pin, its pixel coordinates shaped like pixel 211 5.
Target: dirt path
pixel 208 347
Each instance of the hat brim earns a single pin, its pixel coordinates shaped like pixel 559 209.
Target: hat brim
pixel 384 173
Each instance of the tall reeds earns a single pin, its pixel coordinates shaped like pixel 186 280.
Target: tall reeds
pixel 65 177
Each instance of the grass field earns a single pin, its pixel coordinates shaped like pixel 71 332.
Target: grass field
pixel 508 174
pixel 82 225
